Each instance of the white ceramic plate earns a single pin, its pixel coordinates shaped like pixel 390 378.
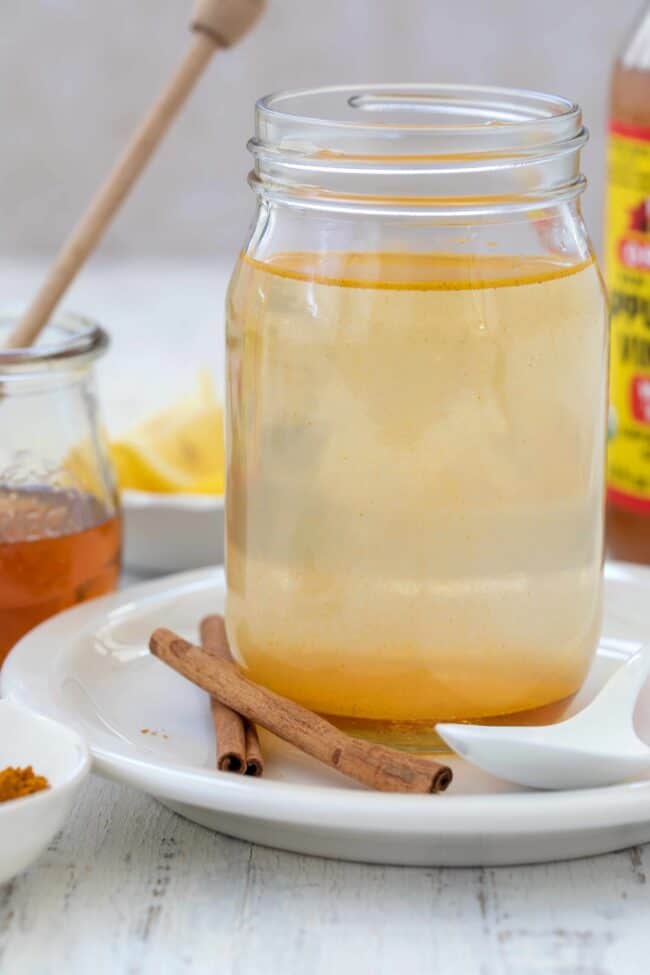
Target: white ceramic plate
pixel 172 532
pixel 89 667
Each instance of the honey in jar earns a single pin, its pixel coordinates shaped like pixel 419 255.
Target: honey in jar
pixel 57 548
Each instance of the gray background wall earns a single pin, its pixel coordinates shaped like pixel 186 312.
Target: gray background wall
pixel 75 75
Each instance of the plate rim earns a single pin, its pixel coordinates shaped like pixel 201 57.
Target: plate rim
pixel 326 806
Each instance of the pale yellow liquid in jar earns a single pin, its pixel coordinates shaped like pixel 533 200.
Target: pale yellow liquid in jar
pixel 415 481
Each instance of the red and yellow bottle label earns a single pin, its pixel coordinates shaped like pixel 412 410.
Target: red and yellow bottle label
pixel 628 277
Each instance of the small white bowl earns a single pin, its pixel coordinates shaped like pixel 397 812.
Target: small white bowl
pixel 28 824
pixel 172 532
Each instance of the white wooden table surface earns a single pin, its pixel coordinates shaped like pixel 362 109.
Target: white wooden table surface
pixel 129 887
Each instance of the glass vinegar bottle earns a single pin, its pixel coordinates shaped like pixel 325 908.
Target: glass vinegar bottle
pixel 627 243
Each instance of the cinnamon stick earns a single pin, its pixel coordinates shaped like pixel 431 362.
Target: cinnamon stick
pixel 238 746
pixel 254 757
pixel 376 766
pixel 231 737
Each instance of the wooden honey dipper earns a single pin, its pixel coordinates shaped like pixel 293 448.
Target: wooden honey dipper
pixel 216 24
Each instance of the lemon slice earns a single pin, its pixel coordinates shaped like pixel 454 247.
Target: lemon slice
pixel 177 450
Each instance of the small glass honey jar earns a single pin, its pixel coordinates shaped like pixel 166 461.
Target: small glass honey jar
pixel 60 525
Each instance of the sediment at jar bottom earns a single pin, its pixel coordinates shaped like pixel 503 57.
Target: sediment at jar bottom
pixel 448 650
pixel 422 737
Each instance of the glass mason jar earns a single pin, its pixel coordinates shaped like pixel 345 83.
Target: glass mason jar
pixel 417 358
pixel 60 533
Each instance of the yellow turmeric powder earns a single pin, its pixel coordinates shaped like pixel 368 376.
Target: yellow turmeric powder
pixel 17 782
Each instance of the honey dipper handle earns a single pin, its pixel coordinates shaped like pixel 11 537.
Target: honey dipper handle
pixel 216 23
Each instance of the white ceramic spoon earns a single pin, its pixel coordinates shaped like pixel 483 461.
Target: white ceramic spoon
pixel 598 746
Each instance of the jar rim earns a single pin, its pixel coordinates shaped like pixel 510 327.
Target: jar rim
pixel 80 339
pixel 438 115
pixel 414 147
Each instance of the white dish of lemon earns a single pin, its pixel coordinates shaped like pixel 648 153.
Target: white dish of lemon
pixel 171 472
